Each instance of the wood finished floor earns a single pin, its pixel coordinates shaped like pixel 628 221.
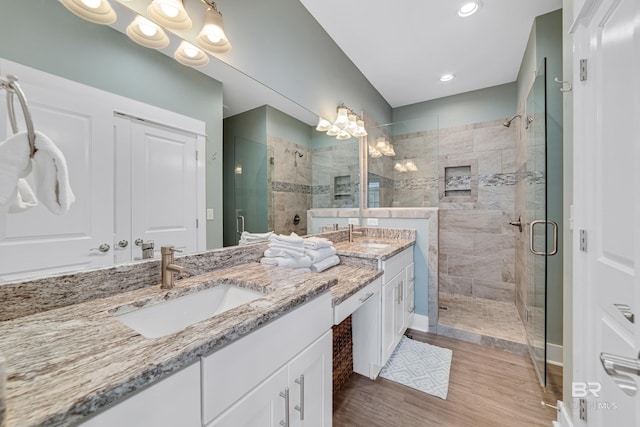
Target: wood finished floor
pixel 487 387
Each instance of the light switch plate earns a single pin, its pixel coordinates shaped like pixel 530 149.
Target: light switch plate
pixel 372 221
pixel 209 214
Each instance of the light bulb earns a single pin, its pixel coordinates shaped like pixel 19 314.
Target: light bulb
pixel 323 125
pixel 191 51
pixel 92 4
pixel 468 9
pixel 213 38
pixel 147 28
pixel 381 144
pixel 169 10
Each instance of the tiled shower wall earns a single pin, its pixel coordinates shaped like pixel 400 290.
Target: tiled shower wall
pixel 336 176
pixel 477 244
pixel 290 182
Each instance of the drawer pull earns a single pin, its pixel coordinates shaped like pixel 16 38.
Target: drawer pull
pixel 300 408
pixel 366 297
pixel 285 395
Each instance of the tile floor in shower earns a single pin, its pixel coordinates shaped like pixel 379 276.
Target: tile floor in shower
pixel 481 321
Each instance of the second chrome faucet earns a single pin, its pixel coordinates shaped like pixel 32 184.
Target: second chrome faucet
pixel 169 268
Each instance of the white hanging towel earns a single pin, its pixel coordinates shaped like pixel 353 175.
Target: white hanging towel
pixel 24 199
pixel 52 177
pixel 14 164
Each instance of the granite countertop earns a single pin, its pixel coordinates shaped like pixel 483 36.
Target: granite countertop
pixel 356 248
pixel 69 362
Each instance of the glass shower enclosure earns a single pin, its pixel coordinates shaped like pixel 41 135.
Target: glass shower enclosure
pixel 541 232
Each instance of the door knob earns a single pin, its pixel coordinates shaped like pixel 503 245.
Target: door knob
pixel 123 243
pixel 102 248
pixel 617 367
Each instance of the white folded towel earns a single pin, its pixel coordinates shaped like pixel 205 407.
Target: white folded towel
pixel 325 263
pixel 299 250
pixel 277 251
pixel 303 262
pixel 320 254
pixel 317 243
pixel 292 240
pixel 255 237
pixel 24 199
pixel 52 176
pixel 14 164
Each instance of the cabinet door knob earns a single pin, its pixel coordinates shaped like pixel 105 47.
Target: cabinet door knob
pixel 123 243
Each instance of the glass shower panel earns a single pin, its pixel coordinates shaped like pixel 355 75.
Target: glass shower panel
pixel 537 231
pixel 251 164
pixel 402 166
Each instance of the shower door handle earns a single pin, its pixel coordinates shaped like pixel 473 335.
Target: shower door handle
pixel 555 237
pixel 239 220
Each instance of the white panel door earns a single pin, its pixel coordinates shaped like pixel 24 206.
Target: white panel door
pixel 607 207
pixel 163 186
pixel 38 242
pixel 389 309
pixel 310 384
pixel 264 406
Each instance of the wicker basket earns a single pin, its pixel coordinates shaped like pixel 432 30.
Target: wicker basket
pixel 342 354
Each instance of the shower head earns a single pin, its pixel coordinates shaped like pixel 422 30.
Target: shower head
pixel 298 153
pixel 507 122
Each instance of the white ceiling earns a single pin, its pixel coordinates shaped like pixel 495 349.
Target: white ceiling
pixel 404 46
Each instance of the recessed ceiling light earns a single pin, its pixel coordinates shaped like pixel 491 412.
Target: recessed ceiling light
pixel 469 9
pixel 446 77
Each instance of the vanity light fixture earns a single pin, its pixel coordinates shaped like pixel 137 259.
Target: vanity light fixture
pixel 406 166
pixel 447 77
pixel 346 125
pixel 381 147
pixel 170 14
pixel 212 37
pixel 189 55
pixel 96 11
pixel 469 9
pixel 147 33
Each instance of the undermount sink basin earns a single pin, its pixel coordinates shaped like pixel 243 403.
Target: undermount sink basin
pixel 176 314
pixel 373 245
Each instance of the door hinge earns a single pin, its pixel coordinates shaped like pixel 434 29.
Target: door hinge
pixel 583 240
pixel 583 409
pixel 197 223
pixel 583 70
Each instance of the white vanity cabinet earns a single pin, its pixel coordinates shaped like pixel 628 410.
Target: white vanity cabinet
pixel 281 371
pixel 247 383
pixel 379 324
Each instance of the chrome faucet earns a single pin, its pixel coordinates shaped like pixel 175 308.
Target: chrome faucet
pixel 168 266
pixel 351 232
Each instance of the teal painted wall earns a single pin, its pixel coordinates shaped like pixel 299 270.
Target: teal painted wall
pixel 471 107
pixel 281 125
pixel 42 34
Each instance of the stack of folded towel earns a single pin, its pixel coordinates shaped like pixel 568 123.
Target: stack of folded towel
pixel 248 238
pixel 287 251
pixel 322 253
pixel 312 254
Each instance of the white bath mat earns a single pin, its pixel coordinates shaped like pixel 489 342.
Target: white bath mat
pixel 421 366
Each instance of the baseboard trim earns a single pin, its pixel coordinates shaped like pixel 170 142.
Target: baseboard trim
pixel 564 420
pixel 420 323
pixel 555 354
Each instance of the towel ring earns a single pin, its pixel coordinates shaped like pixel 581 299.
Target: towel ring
pixel 12 87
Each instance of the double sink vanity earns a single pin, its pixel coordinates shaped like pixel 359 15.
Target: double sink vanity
pixel 235 342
